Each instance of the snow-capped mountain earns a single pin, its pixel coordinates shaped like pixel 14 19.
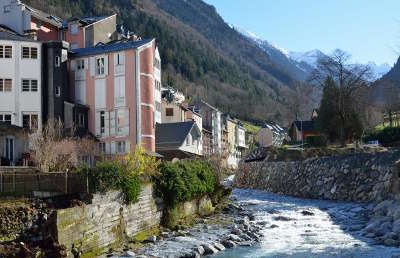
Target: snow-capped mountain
pixel 279 56
pixel 299 64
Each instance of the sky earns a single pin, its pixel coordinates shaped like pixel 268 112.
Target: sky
pixel 369 30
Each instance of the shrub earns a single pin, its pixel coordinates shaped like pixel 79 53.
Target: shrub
pixel 126 175
pixel 316 141
pixel 386 136
pixel 185 180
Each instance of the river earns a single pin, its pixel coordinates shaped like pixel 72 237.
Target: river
pixel 306 228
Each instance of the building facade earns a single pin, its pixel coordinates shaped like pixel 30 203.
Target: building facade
pixel 24 19
pixel 20 81
pixel 116 82
pixel 157 87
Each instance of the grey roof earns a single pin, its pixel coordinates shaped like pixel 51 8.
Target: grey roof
pixel 7 128
pixel 172 135
pixel 107 48
pixel 8 35
pixel 49 18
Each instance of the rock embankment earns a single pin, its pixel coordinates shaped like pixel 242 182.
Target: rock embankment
pixel 360 177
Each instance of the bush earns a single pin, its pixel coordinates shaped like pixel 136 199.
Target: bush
pixel 386 136
pixel 126 175
pixel 185 180
pixel 316 141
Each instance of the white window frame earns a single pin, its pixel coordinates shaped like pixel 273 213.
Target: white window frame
pixel 30 119
pixel 57 91
pixel 74 29
pixel 57 61
pixel 100 66
pixel 3 117
pixel 103 116
pixel 3 85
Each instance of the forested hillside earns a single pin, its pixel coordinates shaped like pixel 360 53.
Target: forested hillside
pixel 200 53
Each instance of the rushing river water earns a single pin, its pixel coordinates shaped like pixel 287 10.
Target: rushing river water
pixel 330 229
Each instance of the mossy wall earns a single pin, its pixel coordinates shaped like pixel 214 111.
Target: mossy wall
pixel 107 221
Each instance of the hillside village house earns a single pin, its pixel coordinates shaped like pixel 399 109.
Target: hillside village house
pixel 20 80
pixel 89 31
pixel 13 144
pixel 178 140
pixel 300 130
pixel 24 19
pixel 211 122
pixel 236 141
pixel 116 82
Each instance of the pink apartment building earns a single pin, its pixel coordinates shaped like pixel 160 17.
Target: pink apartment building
pixel 116 82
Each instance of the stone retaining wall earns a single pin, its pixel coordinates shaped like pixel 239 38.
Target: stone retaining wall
pixel 106 221
pixel 356 177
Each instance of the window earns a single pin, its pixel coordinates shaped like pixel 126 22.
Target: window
pixel 121 147
pixel 29 52
pixel 102 121
pixel 81 120
pixel 29 85
pixel 38 24
pixel 80 64
pixel 30 121
pixel 7 8
pixel 5 85
pixel 74 45
pixel 58 61
pixel 25 85
pixel 158 85
pixel 102 147
pixel 58 91
pixel 5 118
pixel 74 29
pixel 120 59
pixel 169 111
pixel 34 53
pixel 100 66
pixel 5 51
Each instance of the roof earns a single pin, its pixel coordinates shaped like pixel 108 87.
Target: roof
pixel 6 34
pixel 51 19
pixel 108 48
pixel 202 102
pixel 307 126
pixel 172 135
pixel 87 20
pixel 6 128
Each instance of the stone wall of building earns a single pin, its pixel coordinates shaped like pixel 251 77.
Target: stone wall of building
pixel 353 177
pixel 106 221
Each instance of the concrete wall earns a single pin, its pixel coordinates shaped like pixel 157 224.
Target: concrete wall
pixel 106 221
pixel 356 177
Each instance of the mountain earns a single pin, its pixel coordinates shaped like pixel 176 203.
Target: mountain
pixel 311 58
pixel 201 54
pixel 281 57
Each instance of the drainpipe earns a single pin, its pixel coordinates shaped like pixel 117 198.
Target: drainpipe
pixel 138 101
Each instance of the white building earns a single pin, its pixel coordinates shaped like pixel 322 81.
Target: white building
pixel 157 87
pixel 20 81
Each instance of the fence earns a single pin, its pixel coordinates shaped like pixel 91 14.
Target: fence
pixel 25 184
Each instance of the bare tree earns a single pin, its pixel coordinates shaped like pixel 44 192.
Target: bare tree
pixel 349 80
pixel 52 151
pixel 391 101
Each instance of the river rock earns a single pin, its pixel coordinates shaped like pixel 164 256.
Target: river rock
pixel 228 243
pixel 129 254
pixel 307 213
pixel 391 242
pixel 200 250
pixel 219 247
pixel 234 238
pixel 209 249
pixel 151 239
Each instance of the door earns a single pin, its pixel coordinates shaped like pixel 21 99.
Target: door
pixel 9 149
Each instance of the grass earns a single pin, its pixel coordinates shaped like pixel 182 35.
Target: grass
pixel 251 128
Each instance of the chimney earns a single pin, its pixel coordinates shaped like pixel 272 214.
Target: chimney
pixel 30 34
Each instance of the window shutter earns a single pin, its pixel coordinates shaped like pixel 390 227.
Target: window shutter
pixel 86 63
pixel 106 65
pixel 126 126
pixel 113 151
pixel 92 66
pixel 128 147
pixel 115 60
pixel 97 123
pixel 73 65
pixel 107 124
pixel 113 123
pixel 122 57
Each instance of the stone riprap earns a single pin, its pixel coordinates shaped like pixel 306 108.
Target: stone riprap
pixel 106 221
pixel 360 177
